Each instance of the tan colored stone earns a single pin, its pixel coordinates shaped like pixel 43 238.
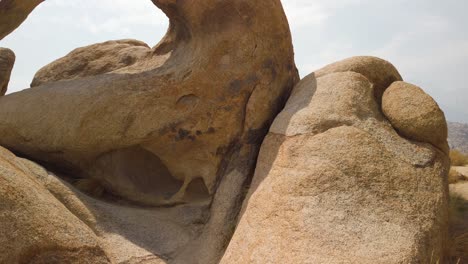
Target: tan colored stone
pixel 415 114
pixel 180 127
pixel 35 227
pixel 380 73
pixel 335 183
pixel 13 13
pixel 129 233
pixel 181 107
pixel 7 60
pixel 93 60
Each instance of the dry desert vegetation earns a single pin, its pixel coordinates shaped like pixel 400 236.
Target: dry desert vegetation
pixel 459 223
pixel 458 179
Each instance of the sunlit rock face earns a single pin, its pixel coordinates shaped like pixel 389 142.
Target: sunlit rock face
pixel 185 107
pixel 415 115
pixel 13 13
pixel 93 60
pixel 338 180
pixel 36 227
pixel 157 145
pixel 147 153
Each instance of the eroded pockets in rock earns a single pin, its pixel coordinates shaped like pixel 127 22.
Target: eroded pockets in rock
pixel 137 175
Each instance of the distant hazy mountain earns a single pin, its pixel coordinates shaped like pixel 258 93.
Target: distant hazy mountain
pixel 458 136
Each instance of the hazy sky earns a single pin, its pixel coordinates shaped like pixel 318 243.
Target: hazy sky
pixel 426 40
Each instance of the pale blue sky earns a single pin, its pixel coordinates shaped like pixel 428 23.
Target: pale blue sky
pixel 426 40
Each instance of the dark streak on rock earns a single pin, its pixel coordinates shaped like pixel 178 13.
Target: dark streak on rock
pixel 211 130
pixel 269 64
pixel 169 128
pixel 182 134
pixel 235 86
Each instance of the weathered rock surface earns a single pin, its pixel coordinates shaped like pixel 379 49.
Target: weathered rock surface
pixel 35 226
pixel 13 13
pixel 93 60
pixel 381 73
pixel 127 233
pixel 7 60
pixel 180 123
pixel 182 107
pixel 335 183
pixel 415 114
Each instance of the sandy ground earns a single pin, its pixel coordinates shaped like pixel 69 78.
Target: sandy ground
pixel 462 170
pixel 460 188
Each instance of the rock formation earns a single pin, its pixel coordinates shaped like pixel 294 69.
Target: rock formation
pixel 147 153
pixel 127 234
pixel 13 13
pixel 94 60
pixel 415 115
pixel 379 72
pixel 7 60
pixel 335 181
pixel 146 123
pixel 177 124
pixel 36 227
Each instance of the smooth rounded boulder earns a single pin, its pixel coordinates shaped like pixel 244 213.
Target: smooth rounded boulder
pixel 35 226
pixel 7 60
pixel 93 60
pixel 415 114
pixel 336 183
pixel 381 73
